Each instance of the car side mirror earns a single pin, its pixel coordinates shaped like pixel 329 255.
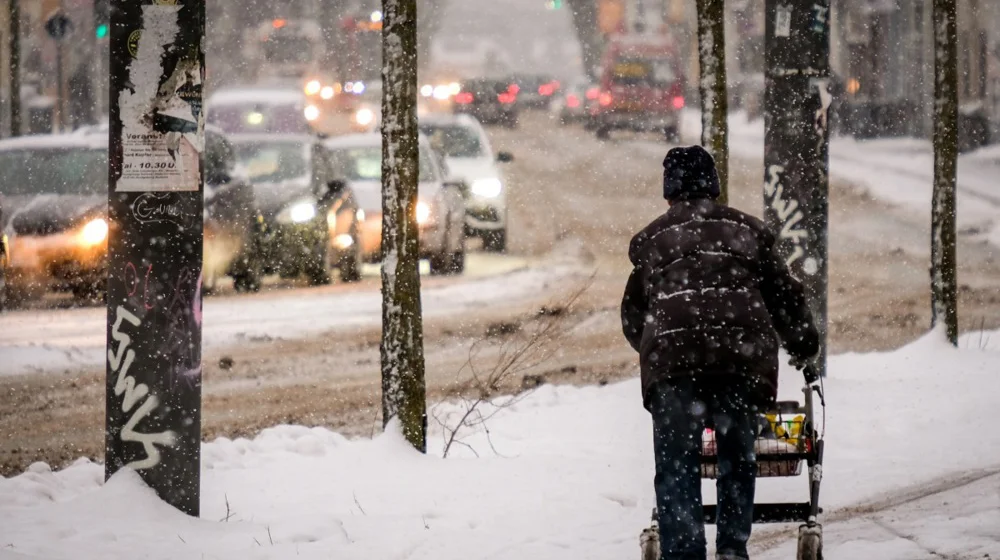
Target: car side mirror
pixel 335 186
pixel 505 157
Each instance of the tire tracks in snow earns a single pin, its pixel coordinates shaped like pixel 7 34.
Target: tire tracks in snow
pixel 868 509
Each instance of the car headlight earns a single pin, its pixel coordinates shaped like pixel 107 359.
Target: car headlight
pixel 489 187
pixel 326 92
pixel 311 112
pixel 313 87
pixel 94 232
pixel 299 212
pixel 364 117
pixel 423 213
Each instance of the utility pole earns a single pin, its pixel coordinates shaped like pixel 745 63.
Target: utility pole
pixel 944 295
pixel 796 144
pixel 712 87
pixel 402 346
pixel 14 13
pixel 153 393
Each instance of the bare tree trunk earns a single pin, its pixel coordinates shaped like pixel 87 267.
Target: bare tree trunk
pixel 712 87
pixel 14 15
pixel 944 300
pixel 402 347
pixel 585 23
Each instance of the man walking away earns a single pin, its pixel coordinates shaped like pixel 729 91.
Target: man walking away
pixel 707 303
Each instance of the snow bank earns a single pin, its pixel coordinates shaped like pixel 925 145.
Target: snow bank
pixel 564 473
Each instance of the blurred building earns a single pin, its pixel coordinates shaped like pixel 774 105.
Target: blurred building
pixel 885 63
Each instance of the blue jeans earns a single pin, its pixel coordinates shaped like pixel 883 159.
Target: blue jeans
pixel 681 409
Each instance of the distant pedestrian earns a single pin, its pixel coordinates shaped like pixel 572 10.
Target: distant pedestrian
pixel 706 306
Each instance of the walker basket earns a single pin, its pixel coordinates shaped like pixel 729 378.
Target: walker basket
pixel 783 442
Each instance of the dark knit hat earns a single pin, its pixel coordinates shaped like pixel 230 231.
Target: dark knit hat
pixel 689 173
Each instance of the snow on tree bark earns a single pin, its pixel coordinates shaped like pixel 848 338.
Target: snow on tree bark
pixel 712 87
pixel 402 346
pixel 944 300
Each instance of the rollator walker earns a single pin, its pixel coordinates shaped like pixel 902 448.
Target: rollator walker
pixel 790 437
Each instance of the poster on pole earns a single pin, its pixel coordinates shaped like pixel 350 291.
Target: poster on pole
pixel 161 113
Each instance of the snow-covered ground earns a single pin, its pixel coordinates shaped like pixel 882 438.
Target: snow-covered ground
pixel 564 473
pixel 898 171
pixel 53 340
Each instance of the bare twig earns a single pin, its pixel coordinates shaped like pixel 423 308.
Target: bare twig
pixel 357 503
pixel 269 535
pixel 229 514
pixel 182 539
pixel 256 541
pixel 517 352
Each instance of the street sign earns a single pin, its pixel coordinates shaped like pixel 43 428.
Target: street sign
pixel 58 26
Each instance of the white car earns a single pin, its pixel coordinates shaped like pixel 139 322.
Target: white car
pixel 357 159
pixel 470 159
pixel 261 110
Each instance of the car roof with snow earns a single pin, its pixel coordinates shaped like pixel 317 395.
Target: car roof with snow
pixel 272 138
pixel 445 119
pixel 361 140
pixel 55 142
pixel 261 95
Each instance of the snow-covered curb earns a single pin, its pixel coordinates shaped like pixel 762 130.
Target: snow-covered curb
pixel 570 476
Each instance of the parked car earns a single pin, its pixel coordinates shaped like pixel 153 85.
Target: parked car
pixel 469 158
pixel 311 222
pixel 440 212
pixel 489 101
pixel 262 109
pixel 574 103
pixel 54 191
pixel 642 88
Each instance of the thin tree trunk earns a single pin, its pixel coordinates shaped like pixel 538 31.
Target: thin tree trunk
pixel 712 87
pixel 944 300
pixel 402 347
pixel 14 14
pixel 584 14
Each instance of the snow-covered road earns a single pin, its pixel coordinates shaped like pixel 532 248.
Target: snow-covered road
pixel 52 340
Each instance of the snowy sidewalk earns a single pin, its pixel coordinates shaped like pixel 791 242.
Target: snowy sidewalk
pixel 564 474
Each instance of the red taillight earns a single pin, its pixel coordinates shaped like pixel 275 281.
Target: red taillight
pixel 506 98
pixel 513 89
pixel 572 101
pixel 464 98
pixel 593 93
pixel 545 89
pixel 678 102
pixel 604 99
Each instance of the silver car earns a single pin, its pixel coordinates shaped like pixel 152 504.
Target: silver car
pixel 440 212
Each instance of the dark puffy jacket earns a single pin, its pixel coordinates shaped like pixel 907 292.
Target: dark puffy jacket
pixel 710 297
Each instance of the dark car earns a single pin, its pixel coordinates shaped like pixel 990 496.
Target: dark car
pixel 54 191
pixel 534 91
pixel 490 101
pixel 310 215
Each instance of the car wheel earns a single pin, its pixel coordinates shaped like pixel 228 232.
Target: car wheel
pixel 350 265
pixel 317 266
pixel 495 241
pixel 440 263
pixel 90 292
pixel 248 269
pixel 603 133
pixel 672 135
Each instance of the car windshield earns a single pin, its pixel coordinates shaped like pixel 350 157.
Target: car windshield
pixel 53 171
pixel 288 49
pixel 273 162
pixel 254 118
pixel 454 141
pixel 643 71
pixel 365 164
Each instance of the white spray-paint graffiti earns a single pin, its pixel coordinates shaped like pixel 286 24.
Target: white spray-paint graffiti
pixel 789 215
pixel 125 385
